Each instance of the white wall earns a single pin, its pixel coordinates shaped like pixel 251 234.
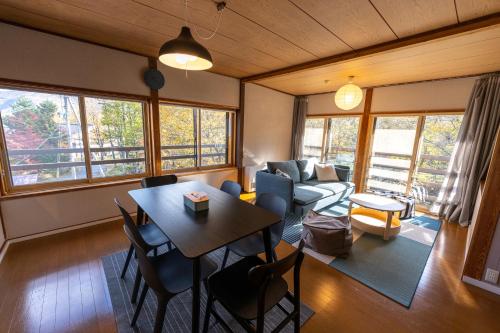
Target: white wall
pixel 325 104
pixel 267 129
pixel 268 125
pixel 200 86
pixel 432 95
pixel 29 55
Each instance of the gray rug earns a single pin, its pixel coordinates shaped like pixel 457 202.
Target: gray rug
pixel 178 316
pixel 392 268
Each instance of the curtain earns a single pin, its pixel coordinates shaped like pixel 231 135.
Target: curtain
pixel 472 153
pixel 298 126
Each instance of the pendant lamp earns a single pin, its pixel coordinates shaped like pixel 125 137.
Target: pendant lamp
pixel 185 52
pixel 348 96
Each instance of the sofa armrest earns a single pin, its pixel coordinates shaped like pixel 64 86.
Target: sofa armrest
pixel 266 182
pixel 343 172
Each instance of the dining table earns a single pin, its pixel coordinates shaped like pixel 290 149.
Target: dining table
pixel 196 234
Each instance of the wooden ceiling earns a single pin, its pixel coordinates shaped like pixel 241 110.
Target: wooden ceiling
pixel 255 36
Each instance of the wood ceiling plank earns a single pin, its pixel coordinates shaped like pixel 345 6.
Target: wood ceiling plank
pixel 301 29
pixel 469 53
pixel 153 20
pixel 243 31
pixel 116 32
pixel 408 18
pixel 356 22
pixel 470 9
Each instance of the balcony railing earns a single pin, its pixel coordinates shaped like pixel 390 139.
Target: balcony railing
pixel 95 152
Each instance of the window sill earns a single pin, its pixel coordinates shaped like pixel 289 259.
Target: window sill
pixel 87 186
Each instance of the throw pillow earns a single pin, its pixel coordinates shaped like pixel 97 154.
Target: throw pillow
pixel 326 172
pixel 306 168
pixel 282 174
pixel 290 167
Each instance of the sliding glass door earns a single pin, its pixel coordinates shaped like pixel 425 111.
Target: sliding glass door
pixel 410 154
pixel 391 153
pixel 438 139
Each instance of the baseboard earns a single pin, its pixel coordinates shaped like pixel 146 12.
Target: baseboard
pixel 53 232
pixel 481 284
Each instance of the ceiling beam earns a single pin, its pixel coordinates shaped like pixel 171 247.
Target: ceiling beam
pixel 454 29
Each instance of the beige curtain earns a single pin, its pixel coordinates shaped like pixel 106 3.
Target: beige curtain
pixel 473 150
pixel 298 126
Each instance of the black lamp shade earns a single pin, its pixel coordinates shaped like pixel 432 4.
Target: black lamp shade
pixel 185 52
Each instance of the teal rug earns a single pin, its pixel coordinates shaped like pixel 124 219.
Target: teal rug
pixel 393 268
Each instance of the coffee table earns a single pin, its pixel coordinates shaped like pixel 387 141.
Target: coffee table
pixel 379 218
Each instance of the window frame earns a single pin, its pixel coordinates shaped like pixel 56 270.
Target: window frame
pixel 416 143
pixel 7 185
pixel 326 131
pixel 230 139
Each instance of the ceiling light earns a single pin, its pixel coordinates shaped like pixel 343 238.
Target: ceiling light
pixel 348 96
pixel 185 52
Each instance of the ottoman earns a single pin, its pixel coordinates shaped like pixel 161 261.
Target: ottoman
pixel 327 234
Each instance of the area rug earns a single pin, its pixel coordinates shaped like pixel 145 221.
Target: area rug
pixel 392 268
pixel 178 316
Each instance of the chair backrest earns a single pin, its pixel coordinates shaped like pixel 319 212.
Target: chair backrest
pixel 158 181
pixel 141 248
pixel 231 188
pixel 276 204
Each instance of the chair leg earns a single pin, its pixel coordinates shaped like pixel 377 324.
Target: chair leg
pixel 169 245
pixel 155 251
pixel 208 311
pixel 296 322
pixel 127 261
pixel 137 285
pixel 139 305
pixel 160 314
pixel 226 256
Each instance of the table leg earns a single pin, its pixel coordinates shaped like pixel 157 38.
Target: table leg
pixel 267 244
pixel 388 225
pixel 195 326
pixel 140 215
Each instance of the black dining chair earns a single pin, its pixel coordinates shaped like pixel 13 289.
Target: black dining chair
pixel 152 236
pixel 250 288
pixel 167 274
pixel 155 181
pixel 254 244
pixel 231 188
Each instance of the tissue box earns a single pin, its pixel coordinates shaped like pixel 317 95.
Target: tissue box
pixel 196 201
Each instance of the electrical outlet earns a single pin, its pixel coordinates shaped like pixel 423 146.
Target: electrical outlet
pixel 491 275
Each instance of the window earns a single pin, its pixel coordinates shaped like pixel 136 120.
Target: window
pixel 410 154
pixel 391 153
pixel 116 137
pixel 337 145
pixel 438 141
pixel 313 138
pixel 342 139
pixel 46 139
pixel 193 138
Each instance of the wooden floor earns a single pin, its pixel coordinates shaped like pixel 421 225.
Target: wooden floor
pixel 56 284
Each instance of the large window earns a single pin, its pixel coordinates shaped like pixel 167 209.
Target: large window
pixel 410 154
pixel 332 140
pixel 193 138
pixel 391 153
pixel 47 141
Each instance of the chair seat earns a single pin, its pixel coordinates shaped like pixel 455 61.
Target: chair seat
pixel 252 245
pixel 232 288
pixel 152 234
pixel 176 271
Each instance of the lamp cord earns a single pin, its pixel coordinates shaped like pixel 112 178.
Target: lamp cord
pixel 220 9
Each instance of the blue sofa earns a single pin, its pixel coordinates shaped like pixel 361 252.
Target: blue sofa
pixel 303 191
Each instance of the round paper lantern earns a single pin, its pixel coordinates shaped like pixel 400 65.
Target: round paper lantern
pixel 348 96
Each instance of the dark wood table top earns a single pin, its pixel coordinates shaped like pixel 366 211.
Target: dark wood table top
pixel 197 233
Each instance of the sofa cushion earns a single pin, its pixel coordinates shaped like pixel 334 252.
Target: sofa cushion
pixel 289 167
pixel 335 187
pixel 306 168
pixel 306 194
